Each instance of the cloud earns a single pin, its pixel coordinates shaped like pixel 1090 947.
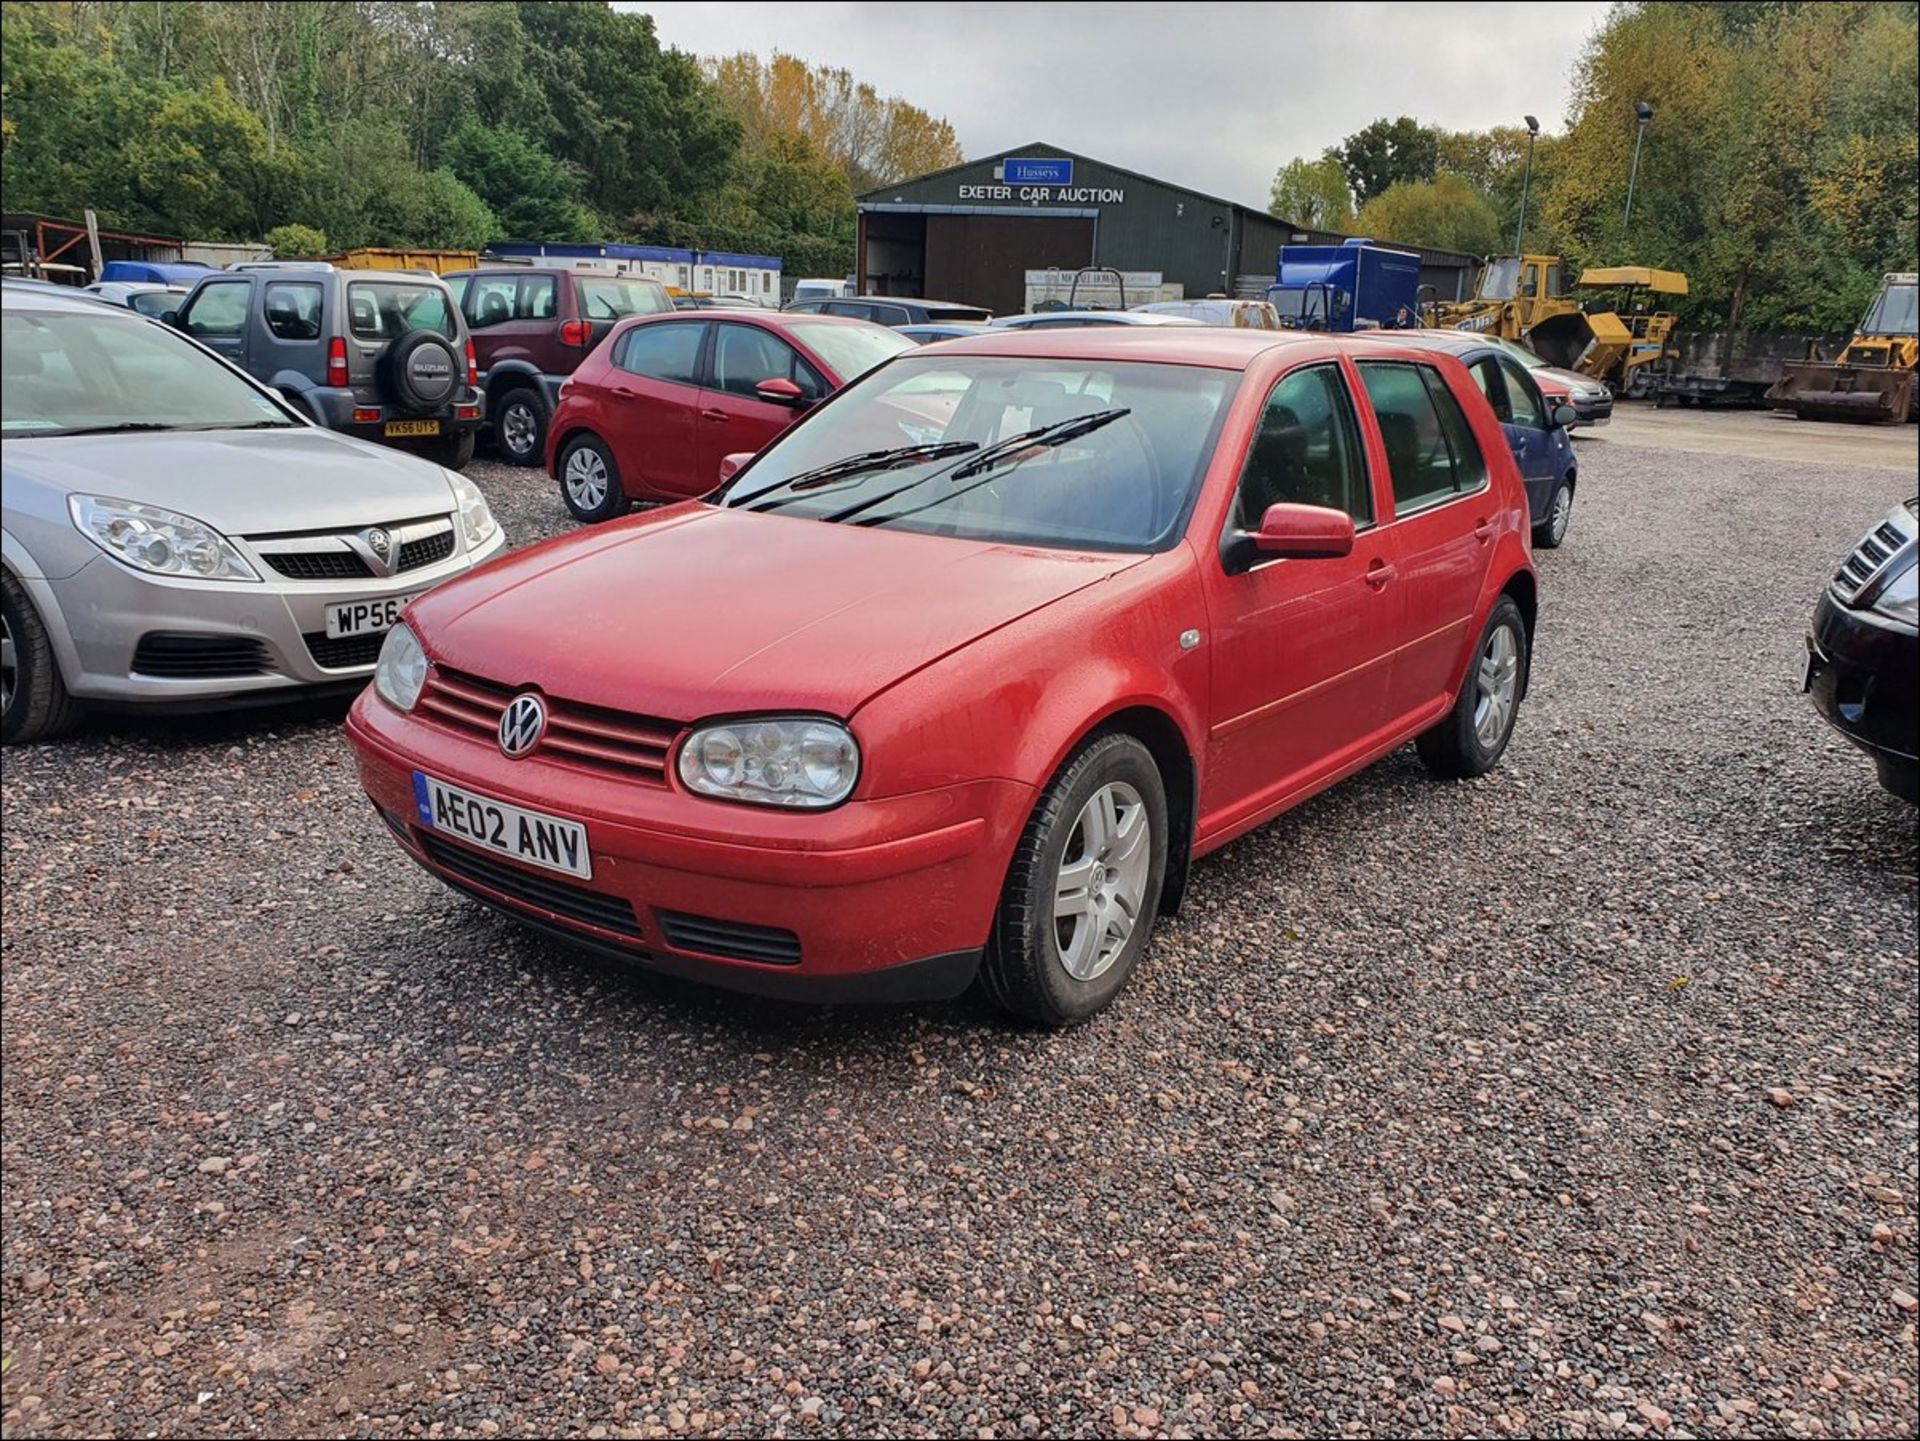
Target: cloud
pixel 1213 96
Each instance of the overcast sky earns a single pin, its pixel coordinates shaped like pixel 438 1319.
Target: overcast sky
pixel 1215 97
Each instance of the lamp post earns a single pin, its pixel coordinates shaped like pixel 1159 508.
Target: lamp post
pixel 1642 112
pixel 1520 230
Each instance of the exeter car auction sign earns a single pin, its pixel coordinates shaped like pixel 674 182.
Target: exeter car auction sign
pixel 1037 181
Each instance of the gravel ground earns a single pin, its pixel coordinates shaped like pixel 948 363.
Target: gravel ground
pixel 1579 1100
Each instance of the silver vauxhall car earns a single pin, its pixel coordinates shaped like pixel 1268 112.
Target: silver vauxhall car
pixel 175 534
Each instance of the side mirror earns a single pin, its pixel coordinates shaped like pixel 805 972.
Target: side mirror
pixel 1565 415
pixel 731 465
pixel 1304 532
pixel 780 391
pixel 173 318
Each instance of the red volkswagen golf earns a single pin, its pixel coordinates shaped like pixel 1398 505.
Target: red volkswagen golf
pixel 904 706
pixel 650 414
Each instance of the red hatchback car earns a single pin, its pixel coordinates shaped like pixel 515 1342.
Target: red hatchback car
pixel 901 708
pixel 652 412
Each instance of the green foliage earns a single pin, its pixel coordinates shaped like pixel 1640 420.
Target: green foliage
pixel 1387 153
pixel 296 242
pixel 1313 193
pixel 1445 212
pixel 534 195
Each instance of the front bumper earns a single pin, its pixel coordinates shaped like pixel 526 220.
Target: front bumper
pixel 1592 412
pixel 98 616
pixel 1861 674
pixel 885 899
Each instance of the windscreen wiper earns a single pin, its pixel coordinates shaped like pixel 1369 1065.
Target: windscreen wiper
pixel 1043 437
pixel 860 464
pixel 124 427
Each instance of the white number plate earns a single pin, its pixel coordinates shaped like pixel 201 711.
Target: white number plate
pixel 365 617
pixel 521 835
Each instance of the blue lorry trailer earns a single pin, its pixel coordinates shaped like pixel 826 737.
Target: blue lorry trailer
pixel 1353 286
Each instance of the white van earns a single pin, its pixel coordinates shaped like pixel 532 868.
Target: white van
pixel 1219 310
pixel 821 289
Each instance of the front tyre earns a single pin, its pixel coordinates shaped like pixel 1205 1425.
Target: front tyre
pixel 34 704
pixel 1470 740
pixel 1084 887
pixel 590 481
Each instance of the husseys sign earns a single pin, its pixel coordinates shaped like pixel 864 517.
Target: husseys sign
pixel 1036 180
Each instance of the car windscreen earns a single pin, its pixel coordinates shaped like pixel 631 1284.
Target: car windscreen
pixel 850 351
pixel 69 374
pixel 607 299
pixel 155 302
pixel 1130 441
pixel 1518 352
pixel 387 309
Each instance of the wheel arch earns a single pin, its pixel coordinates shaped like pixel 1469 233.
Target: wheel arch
pixel 1160 733
pixel 1524 589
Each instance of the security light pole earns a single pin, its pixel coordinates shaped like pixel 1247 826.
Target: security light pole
pixel 1643 112
pixel 1520 230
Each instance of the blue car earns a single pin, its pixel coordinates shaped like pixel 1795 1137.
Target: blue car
pixel 1535 427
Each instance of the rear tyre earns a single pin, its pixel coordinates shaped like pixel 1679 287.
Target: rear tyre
pixel 1553 530
pixel 590 481
pixel 520 425
pixel 1084 887
pixel 453 451
pixel 34 704
pixel 1469 742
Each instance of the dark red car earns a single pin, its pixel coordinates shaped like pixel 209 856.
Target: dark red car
pixel 887 715
pixel 531 328
pixel 653 411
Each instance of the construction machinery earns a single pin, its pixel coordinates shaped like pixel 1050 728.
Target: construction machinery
pixel 1630 334
pixel 1872 379
pixel 1522 298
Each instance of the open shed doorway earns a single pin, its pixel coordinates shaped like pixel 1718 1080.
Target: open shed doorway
pixel 975 259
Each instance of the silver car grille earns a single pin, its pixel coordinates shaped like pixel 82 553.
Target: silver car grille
pixel 1869 558
pixel 358 554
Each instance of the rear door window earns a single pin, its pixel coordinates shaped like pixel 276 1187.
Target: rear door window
pixel 1486 375
pixel 387 309
pixel 1431 453
pixel 490 300
pixel 293 310
pixel 662 352
pixel 745 355
pixel 219 308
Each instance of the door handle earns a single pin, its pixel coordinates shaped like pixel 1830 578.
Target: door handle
pixel 713 415
pixel 1378 574
pixel 622 390
pixel 1483 531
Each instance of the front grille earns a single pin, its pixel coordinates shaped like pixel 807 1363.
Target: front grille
pixel 1879 546
pixel 317 564
pixel 344 652
pixel 327 555
pixel 176 656
pixel 575 903
pixel 589 737
pixel 732 939
pixel 429 550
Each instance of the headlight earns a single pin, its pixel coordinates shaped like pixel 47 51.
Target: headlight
pixel 476 518
pixel 1900 600
pixel 157 541
pixel 773 760
pixel 402 670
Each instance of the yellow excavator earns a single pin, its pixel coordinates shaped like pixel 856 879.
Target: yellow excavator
pixel 1873 377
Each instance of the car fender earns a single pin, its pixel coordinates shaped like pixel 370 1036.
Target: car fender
pixel 295 384
pixel 502 369
pixel 1509 570
pixel 20 564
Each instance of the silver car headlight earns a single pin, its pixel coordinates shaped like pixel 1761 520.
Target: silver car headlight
pixel 476 516
pixel 401 673
pixel 159 542
pixel 773 761
pixel 1900 600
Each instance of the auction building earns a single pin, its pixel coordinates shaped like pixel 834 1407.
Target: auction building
pixel 995 232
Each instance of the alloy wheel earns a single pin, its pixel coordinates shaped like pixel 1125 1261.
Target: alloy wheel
pixel 517 428
pixel 1101 885
pixel 1498 683
pixel 1561 514
pixel 9 666
pixel 586 479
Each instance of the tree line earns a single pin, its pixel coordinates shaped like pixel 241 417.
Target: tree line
pixel 330 124
pixel 1778 171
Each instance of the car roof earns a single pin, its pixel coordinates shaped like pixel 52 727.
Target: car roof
pixel 750 315
pixel 24 294
pixel 1105 317
pixel 1451 342
pixel 1221 347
